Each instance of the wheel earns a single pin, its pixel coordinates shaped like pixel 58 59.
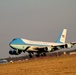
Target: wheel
pixel 30 55
pixel 43 54
pixel 38 55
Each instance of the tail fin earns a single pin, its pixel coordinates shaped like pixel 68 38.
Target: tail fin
pixel 62 37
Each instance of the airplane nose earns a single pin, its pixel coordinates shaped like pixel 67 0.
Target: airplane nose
pixel 10 44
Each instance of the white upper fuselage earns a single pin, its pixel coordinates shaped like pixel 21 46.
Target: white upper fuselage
pixel 40 43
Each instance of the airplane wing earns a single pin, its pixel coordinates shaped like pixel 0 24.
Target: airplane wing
pixel 37 49
pixel 66 45
pixel 73 43
pixel 49 48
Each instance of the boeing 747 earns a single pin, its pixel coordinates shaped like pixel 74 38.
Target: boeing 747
pixel 20 45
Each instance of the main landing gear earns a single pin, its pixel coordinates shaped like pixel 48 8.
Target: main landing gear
pixel 37 55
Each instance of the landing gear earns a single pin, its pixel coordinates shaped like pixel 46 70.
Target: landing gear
pixel 37 55
pixel 30 54
pixel 43 54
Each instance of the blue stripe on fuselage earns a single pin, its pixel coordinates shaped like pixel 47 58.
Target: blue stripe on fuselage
pixel 17 41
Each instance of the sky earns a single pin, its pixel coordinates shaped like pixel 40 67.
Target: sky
pixel 41 20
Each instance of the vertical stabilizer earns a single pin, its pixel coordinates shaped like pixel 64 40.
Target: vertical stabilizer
pixel 62 37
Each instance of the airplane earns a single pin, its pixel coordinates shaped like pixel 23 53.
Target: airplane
pixel 20 45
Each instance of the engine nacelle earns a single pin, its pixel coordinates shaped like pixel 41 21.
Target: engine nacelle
pixel 69 45
pixel 14 52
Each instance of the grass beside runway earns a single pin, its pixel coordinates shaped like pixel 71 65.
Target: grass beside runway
pixel 61 65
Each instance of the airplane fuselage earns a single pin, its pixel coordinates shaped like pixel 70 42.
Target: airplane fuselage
pixel 25 43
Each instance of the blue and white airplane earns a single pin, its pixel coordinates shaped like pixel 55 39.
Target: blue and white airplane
pixel 20 45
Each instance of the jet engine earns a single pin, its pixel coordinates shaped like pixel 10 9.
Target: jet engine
pixel 69 45
pixel 14 52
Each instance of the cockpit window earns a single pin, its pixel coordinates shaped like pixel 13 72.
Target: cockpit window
pixel 14 39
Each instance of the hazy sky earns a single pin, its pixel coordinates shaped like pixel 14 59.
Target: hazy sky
pixel 35 20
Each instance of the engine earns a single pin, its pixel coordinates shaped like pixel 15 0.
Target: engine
pixel 42 49
pixel 14 52
pixel 69 45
